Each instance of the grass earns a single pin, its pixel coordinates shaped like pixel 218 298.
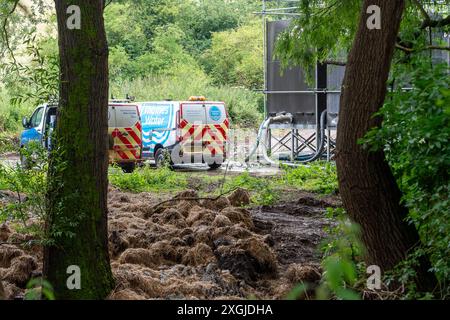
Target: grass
pixel 320 178
pixel 262 189
pixel 147 179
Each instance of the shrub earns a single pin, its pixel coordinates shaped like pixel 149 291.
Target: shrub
pixel 415 136
pixel 318 177
pixel 30 186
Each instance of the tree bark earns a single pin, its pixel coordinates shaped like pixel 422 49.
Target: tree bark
pixel 368 188
pixel 2 292
pixel 77 193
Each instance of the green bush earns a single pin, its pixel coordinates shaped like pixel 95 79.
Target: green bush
pixel 415 137
pixel 318 177
pixel 235 57
pixel 11 115
pixel 147 179
pixel 30 182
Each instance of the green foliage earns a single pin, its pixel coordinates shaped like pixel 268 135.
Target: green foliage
pixel 342 269
pixel 38 289
pixel 200 19
pixel 342 251
pixel 123 31
pixel 11 115
pixel 156 52
pixel 318 177
pixel 147 179
pixel 263 190
pixel 166 58
pixel 152 14
pixel 7 143
pixel 235 57
pixel 37 81
pixel 30 186
pixel 168 63
pixel 415 136
pixel 24 86
pixel 415 131
pixel 343 237
pixel 324 30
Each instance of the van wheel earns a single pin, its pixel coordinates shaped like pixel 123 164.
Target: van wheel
pixel 214 166
pixel 128 167
pixel 162 158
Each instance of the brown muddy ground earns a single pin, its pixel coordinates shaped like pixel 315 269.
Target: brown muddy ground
pixel 297 227
pixel 196 249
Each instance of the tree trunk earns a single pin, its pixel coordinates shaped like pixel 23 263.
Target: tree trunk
pixel 369 190
pixel 2 292
pixel 78 186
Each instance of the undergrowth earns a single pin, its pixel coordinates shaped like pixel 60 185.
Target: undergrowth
pixel 146 179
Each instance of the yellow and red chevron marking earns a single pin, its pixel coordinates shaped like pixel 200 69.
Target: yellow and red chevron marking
pixel 213 136
pixel 127 143
pixel 194 132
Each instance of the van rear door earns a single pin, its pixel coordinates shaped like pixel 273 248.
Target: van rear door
pixel 217 128
pixel 193 113
pixel 192 124
pixel 126 133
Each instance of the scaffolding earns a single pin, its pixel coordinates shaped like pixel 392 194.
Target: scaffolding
pixel 298 139
pixel 294 138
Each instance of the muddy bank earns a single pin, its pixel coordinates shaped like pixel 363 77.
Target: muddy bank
pixel 196 249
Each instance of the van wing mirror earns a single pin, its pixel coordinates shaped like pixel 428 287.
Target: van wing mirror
pixel 25 122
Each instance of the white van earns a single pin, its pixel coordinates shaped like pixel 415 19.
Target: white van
pixel 124 127
pixel 125 135
pixel 184 132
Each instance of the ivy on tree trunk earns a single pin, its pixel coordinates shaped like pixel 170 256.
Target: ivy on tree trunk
pixel 78 186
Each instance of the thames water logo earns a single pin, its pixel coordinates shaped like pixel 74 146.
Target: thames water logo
pixel 214 113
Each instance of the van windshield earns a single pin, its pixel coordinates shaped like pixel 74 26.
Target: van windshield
pixel 36 118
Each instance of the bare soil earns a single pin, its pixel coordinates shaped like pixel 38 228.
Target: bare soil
pixel 196 249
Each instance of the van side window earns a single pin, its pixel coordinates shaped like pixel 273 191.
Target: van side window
pixel 37 117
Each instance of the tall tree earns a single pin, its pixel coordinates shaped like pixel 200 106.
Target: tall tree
pixel 368 188
pixel 77 194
